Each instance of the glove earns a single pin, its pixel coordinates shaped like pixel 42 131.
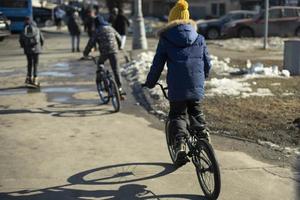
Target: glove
pixel 144 85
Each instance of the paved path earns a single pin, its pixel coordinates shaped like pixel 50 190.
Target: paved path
pixel 61 144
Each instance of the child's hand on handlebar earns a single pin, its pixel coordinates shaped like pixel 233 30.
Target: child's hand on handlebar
pixel 144 85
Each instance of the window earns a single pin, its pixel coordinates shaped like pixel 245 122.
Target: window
pixel 222 9
pixel 218 9
pixel 290 13
pixel 14 4
pixel 214 9
pixel 249 15
pixel 275 13
pixel 237 16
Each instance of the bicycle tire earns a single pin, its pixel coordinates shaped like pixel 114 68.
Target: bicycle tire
pixel 115 96
pixel 171 146
pixel 199 160
pixel 102 92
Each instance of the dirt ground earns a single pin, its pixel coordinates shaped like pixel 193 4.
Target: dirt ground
pixel 264 118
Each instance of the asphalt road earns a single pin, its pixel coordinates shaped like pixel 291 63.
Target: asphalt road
pixel 60 143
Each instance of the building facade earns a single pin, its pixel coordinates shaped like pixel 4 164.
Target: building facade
pixel 200 9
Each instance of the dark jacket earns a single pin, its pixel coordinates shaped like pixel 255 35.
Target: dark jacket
pixel 31 39
pixel 106 36
pixel 121 24
pixel 74 25
pixel 188 62
pixel 89 25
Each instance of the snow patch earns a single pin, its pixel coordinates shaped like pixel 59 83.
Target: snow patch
pixel 286 150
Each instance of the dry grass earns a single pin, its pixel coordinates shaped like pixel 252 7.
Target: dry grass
pixel 266 118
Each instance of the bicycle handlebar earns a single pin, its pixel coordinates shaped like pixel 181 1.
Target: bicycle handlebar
pixel 89 58
pixel 163 89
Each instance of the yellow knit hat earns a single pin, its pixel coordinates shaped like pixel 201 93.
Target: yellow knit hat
pixel 180 11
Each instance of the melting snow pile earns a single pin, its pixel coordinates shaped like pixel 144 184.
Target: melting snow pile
pixel 240 87
pixel 136 71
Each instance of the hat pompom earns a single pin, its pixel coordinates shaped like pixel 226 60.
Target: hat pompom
pixel 182 4
pixel 179 11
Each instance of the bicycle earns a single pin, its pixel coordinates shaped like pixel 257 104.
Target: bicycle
pixel 106 86
pixel 200 152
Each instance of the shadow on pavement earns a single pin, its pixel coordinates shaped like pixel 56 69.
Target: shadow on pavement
pixel 59 113
pixel 114 174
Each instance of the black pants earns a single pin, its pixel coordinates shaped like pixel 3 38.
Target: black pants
pixel 32 62
pixel 178 116
pixel 114 63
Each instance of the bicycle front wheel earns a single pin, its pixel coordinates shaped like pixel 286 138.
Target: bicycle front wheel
pixel 102 90
pixel 115 95
pixel 207 169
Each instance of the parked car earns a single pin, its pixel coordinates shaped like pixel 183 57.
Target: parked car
pixel 4 27
pixel 42 15
pixel 283 21
pixel 212 29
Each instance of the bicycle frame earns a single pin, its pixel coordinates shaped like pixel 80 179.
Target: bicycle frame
pixel 191 138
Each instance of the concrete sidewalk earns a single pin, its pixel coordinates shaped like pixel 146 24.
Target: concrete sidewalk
pixel 84 151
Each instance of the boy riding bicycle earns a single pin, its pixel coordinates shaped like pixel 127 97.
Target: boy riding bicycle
pixel 109 42
pixel 186 55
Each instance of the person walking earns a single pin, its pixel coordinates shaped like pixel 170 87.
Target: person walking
pixel 74 26
pixel 121 24
pixel 58 17
pixel 109 42
pixel 188 62
pixel 31 40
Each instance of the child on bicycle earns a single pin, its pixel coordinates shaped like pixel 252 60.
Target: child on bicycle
pixel 188 62
pixel 109 42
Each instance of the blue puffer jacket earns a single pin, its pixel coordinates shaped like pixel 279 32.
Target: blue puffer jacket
pixel 188 62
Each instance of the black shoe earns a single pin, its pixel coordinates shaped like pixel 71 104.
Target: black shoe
pixel 28 80
pixel 206 134
pixel 73 50
pixel 180 149
pixel 78 50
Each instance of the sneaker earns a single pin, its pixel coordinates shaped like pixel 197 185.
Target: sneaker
pixel 28 80
pixel 35 81
pixel 180 149
pixel 122 94
pixel 205 134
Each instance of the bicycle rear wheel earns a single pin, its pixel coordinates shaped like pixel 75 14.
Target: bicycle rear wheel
pixel 102 90
pixel 207 169
pixel 114 95
pixel 171 141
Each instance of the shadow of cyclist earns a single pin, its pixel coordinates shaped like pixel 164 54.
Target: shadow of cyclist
pixel 76 189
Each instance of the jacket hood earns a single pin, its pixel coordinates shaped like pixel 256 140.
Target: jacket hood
pixel 100 21
pixel 180 32
pixel 30 30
